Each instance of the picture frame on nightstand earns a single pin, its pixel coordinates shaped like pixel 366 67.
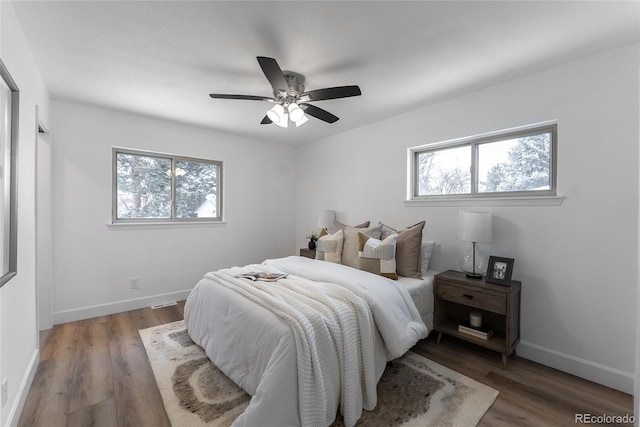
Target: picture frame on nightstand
pixel 499 270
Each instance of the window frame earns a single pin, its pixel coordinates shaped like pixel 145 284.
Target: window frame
pixel 174 159
pixel 474 142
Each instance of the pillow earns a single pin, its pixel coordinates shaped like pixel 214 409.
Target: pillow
pixel 351 244
pixel 407 249
pixel 340 226
pixel 383 252
pixel 425 255
pixel 329 246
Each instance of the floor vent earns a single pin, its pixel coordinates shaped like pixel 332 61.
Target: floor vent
pixel 167 304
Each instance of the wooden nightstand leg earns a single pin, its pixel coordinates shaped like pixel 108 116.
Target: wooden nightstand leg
pixel 504 361
pixel 439 337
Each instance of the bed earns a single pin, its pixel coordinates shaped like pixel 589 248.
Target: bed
pixel 421 291
pixel 257 348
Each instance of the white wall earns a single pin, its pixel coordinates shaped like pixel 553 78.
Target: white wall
pixel 18 328
pixel 577 261
pixel 94 262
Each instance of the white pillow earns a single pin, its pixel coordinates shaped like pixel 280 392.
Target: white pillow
pixel 329 247
pixel 426 250
pixel 382 251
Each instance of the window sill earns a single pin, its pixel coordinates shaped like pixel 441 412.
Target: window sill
pixel 153 224
pixel 489 201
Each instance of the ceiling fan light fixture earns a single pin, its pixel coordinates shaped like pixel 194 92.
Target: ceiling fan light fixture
pixel 277 115
pixel 302 121
pixel 295 112
pixel 290 98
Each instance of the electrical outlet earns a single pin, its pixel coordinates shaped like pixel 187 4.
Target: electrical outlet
pixel 133 283
pixel 4 392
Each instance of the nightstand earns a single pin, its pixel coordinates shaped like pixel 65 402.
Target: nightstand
pixel 309 253
pixel 455 296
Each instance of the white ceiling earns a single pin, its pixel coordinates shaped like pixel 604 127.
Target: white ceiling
pixel 163 58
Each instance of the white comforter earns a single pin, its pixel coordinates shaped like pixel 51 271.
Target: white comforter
pixel 334 333
pixel 257 348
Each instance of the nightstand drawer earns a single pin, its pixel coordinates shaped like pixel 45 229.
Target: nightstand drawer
pixel 495 302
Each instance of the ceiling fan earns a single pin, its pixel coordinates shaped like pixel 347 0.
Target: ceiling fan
pixel 291 101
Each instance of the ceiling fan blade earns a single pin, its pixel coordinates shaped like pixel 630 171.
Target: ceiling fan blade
pixel 266 121
pixel 243 97
pixel 331 93
pixel 274 74
pixel 319 113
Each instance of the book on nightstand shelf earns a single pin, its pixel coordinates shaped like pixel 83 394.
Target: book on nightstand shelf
pixel 482 333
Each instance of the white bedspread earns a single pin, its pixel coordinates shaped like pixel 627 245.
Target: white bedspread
pixel 394 311
pixel 334 334
pixel 421 291
pixel 257 349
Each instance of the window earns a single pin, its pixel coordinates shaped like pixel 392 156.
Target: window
pixel 507 163
pixel 161 187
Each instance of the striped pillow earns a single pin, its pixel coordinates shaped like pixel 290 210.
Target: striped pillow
pixel 382 250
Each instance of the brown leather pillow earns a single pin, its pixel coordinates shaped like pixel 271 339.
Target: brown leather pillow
pixel 407 249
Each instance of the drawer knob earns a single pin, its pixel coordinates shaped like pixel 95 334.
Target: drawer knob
pixel 467 296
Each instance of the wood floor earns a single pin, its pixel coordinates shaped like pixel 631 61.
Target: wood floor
pixel 96 373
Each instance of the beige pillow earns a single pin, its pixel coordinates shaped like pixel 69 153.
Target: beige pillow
pixel 340 226
pixel 383 252
pixel 407 249
pixel 351 245
pixel 329 247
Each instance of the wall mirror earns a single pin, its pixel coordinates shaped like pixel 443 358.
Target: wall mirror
pixel 9 95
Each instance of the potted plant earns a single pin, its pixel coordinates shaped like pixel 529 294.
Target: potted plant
pixel 313 237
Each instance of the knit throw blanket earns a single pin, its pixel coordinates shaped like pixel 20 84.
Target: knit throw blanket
pixel 334 333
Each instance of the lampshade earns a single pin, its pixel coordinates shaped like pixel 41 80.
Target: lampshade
pixel 326 218
pixel 302 121
pixel 278 116
pixel 275 113
pixel 295 113
pixel 475 226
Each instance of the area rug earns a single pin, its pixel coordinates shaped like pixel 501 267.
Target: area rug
pixel 413 391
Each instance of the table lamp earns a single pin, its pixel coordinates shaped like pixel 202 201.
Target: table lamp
pixel 475 227
pixel 326 219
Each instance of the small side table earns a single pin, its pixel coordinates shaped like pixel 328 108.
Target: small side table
pixel 455 295
pixel 309 253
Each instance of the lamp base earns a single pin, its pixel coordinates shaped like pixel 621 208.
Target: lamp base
pixel 473 263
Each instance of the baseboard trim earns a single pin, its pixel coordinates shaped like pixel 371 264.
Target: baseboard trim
pixel 601 374
pixel 23 390
pixel 89 312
